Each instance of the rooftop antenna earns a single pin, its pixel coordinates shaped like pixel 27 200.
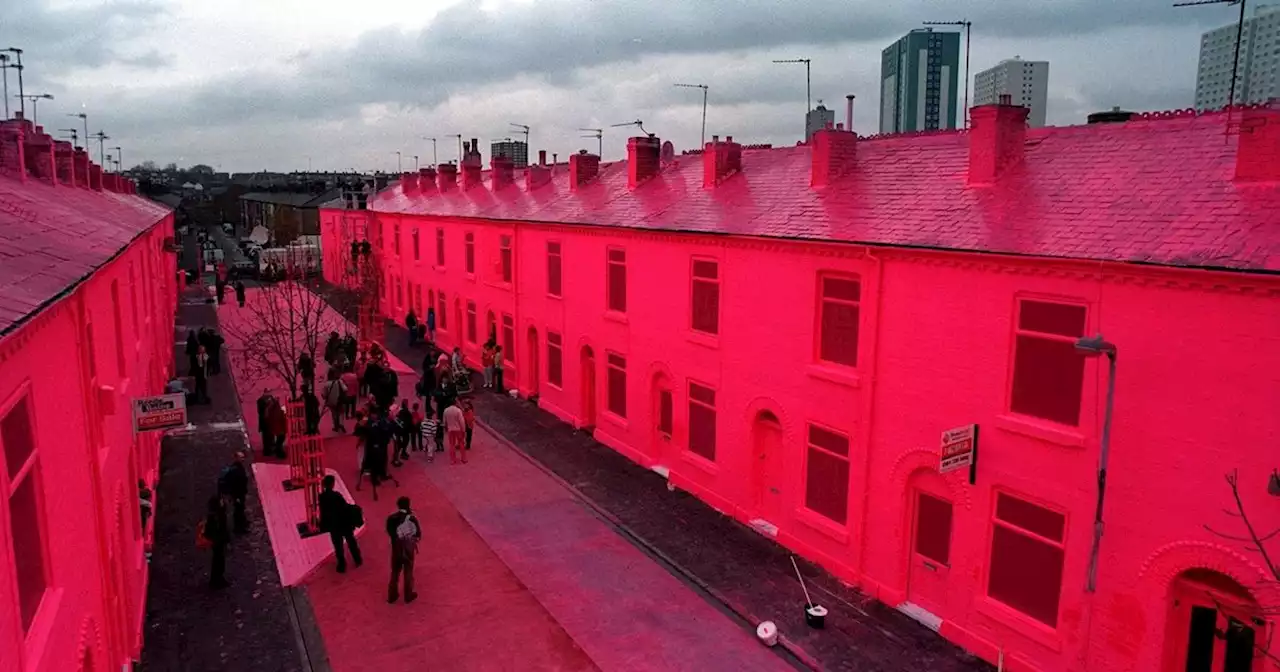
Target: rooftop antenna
pixel 435 160
pixel 119 157
pixel 72 132
pixel 968 30
pixel 459 137
pixel 35 98
pixel 808 89
pixel 598 134
pixel 22 108
pixel 704 88
pixel 637 123
pixel 102 137
pixel 1235 65
pixel 4 75
pixel 85 118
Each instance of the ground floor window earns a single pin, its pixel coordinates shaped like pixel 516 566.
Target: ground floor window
pixel 1027 555
pixel 617 380
pixel 826 488
pixel 702 420
pixel 555 370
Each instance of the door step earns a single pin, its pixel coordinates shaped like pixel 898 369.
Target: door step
pixel 661 471
pixel 921 615
pixel 765 527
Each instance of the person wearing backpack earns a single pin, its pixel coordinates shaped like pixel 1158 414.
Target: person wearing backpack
pixel 214 533
pixel 405 533
pixel 340 519
pixel 233 484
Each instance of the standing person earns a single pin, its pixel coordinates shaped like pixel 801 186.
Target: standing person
pixel 411 323
pixel 431 323
pixel 427 385
pixel 349 344
pixel 486 360
pixel 217 535
pixel 264 423
pixel 215 352
pixel 415 427
pixel 339 517
pixel 456 428
pixel 278 423
pixel 233 484
pixel 375 448
pixel 240 293
pixel 192 349
pixel 351 391
pixel 405 533
pixel 362 372
pixel 404 430
pixel 331 348
pixel 311 410
pixel 307 369
pixel 469 415
pixel 497 369
pixel 334 396
pixel 455 361
pixel 202 376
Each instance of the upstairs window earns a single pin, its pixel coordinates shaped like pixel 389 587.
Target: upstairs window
pixel 702 421
pixel 826 489
pixel 553 269
pixel 616 280
pixel 1027 554
pixel 26 501
pixel 838 313
pixel 93 350
pixel 395 241
pixel 442 312
pixel 440 248
pixel 119 325
pixel 554 360
pixel 504 257
pixel 705 296
pixel 471 322
pixel 1048 373
pixel 469 252
pixel 417 250
pixel 508 339
pixel 133 299
pixel 617 381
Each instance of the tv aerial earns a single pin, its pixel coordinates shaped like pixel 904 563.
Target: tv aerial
pixel 637 123
pixel 598 134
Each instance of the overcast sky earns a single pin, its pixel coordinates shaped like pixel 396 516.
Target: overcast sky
pixel 272 84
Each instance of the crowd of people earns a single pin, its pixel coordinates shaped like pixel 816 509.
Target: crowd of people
pixel 204 359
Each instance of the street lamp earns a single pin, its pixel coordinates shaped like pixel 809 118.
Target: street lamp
pixel 1094 346
pixel 704 88
pixel 35 98
pixel 85 118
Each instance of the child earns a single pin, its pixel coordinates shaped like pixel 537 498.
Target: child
pixel 469 416
pixel 497 369
pixel 428 428
pixel 415 436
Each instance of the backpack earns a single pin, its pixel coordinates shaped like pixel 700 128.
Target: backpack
pixel 406 534
pixel 355 516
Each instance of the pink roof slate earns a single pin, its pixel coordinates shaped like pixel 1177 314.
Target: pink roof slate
pixel 1156 190
pixel 53 237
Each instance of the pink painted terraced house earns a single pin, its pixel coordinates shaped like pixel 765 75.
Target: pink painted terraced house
pixel 787 332
pixel 87 300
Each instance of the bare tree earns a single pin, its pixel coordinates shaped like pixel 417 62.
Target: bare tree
pixel 1256 541
pixel 286 320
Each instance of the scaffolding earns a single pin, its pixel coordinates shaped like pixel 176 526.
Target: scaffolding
pixel 362 270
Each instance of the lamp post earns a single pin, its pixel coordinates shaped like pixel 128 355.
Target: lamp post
pixel 85 118
pixel 1094 346
pixel 4 74
pixel 399 163
pixel 35 99
pixel 704 88
pixel 415 163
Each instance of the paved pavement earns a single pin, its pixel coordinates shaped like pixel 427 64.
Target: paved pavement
pixel 249 625
pixel 747 572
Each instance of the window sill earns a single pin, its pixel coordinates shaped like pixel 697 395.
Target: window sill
pixel 615 316
pixel 704 339
pixel 471 276
pixel 1040 430
pixel 557 297
pixel 822 524
pixel 1021 623
pixel 706 466
pixel 833 373
pixel 615 419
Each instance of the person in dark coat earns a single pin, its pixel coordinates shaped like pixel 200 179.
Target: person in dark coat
pixel 218 536
pixel 378 438
pixel 233 484
pixel 404 431
pixel 427 386
pixel 201 373
pixel 351 346
pixel 372 376
pixel 331 348
pixel 240 293
pixel 215 341
pixel 221 290
pixel 431 323
pixel 278 423
pixel 336 519
pixel 405 533
pixel 389 388
pixel 411 323
pixel 264 425
pixel 192 349
pixel 307 369
pixel 311 410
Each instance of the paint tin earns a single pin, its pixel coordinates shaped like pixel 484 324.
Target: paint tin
pixel 767 633
pixel 816 616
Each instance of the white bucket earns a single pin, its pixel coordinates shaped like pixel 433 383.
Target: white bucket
pixel 767 633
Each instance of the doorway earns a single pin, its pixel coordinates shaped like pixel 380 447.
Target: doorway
pixel 1214 625
pixel 927 581
pixel 588 401
pixel 767 468
pixel 533 362
pixel 664 420
pixel 457 323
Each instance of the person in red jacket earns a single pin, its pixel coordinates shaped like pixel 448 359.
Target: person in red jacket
pixel 278 423
pixel 469 417
pixel 486 360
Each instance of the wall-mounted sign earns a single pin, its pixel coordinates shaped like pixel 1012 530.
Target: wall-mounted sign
pixel 162 412
pixel 960 449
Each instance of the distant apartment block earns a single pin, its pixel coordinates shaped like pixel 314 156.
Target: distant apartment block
pixel 817 119
pixel 1258 74
pixel 1025 82
pixel 515 150
pixel 919 86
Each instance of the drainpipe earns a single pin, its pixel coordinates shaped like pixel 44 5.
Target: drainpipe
pixel 868 390
pixel 522 366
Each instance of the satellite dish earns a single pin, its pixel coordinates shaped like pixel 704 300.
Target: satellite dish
pixel 668 152
pixel 259 235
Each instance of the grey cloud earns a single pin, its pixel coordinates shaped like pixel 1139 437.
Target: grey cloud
pixel 60 39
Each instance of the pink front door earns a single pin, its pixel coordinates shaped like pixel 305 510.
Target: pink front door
pixel 588 367
pixel 927 583
pixel 767 440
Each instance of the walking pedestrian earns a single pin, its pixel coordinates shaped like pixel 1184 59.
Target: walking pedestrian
pixel 411 323
pixel 233 484
pixel 215 341
pixel 311 410
pixel 497 369
pixel 217 536
pixel 415 427
pixel 340 519
pixel 351 390
pixel 334 395
pixel 202 376
pixel 404 428
pixel 221 289
pixel 405 533
pixel 456 427
pixel 469 415
pixel 264 423
pixel 192 349
pixel 278 423
pixel 240 293
pixel 431 322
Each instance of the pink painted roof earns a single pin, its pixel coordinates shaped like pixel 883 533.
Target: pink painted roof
pixel 53 237
pixel 1151 190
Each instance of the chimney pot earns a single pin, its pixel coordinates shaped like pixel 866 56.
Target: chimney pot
pixel 1006 99
pixel 446 176
pixel 840 126
pixel 409 183
pixel 583 168
pixel 64 162
pixel 537 176
pixel 501 171
pixel 643 159
pixel 39 157
pixel 555 158
pixel 848 111
pixel 720 161
pixel 1258 148
pixel 834 153
pixel 997 136
pixel 728 138
pixel 542 157
pixel 715 139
